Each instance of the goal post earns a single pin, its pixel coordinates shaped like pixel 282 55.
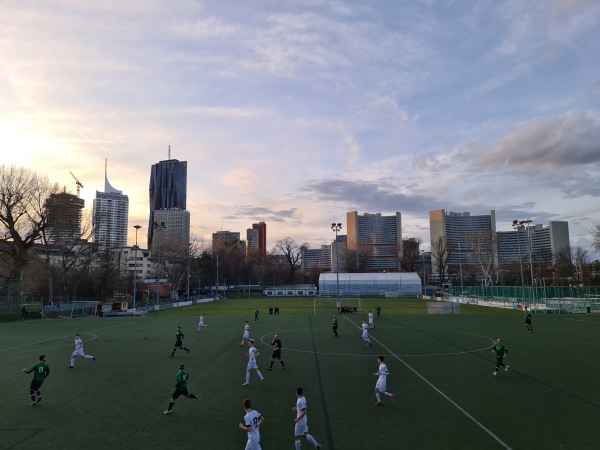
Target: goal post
pixel 330 305
pixel 80 308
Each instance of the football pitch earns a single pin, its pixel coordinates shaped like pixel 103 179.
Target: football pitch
pixel 440 371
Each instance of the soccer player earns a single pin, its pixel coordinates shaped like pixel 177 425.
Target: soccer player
pixel 79 351
pixel 246 336
pixel 371 321
pixel 276 343
pixel 179 342
pixel 180 388
pixel 501 352
pixel 378 309
pixel 256 315
pixel 301 421
pixel 252 422
pixel 334 326
pixel 365 333
pixel 252 354
pixel 40 371
pixel 528 324
pixel 201 323
pixel 381 385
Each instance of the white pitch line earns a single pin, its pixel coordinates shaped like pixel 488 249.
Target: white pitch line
pixel 430 384
pixel 62 337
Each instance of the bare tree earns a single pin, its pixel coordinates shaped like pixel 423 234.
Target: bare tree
pixel 355 260
pixel 23 216
pixel 482 245
pixel 410 257
pixel 291 252
pixel 441 251
pixel 596 236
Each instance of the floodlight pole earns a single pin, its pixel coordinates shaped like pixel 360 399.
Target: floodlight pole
pixel 423 264
pixel 337 227
pixel 460 265
pixel 137 227
pixel 516 225
pixel 158 227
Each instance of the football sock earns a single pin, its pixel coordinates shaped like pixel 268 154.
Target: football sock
pixel 247 377
pixel 170 406
pixel 271 366
pixel 259 374
pixel 88 357
pixel 298 444
pixel 377 396
pixel 311 439
pixel 72 362
pixel 282 364
pixel 387 394
pixel 192 396
pixel 32 395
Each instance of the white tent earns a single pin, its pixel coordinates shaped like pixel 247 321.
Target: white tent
pixel 391 284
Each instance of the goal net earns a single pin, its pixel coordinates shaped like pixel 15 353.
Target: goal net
pixel 80 309
pixel 330 305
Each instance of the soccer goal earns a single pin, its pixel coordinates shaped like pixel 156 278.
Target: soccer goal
pixel 330 305
pixel 79 308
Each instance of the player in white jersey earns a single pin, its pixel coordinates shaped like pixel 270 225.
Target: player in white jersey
pixel 246 336
pixel 252 422
pixel 301 421
pixel 381 385
pixel 79 351
pixel 252 354
pixel 201 323
pixel 365 333
pixel 371 321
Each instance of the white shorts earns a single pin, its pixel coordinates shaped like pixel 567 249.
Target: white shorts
pixel 246 335
pixel 253 445
pixel 79 352
pixel 371 321
pixel 252 365
pixel 201 323
pixel 381 385
pixel 365 335
pixel 301 428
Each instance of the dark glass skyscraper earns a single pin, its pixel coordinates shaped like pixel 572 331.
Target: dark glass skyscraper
pixel 168 189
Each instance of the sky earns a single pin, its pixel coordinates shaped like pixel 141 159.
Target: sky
pixel 296 112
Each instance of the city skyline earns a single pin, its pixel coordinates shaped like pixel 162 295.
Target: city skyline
pixel 294 115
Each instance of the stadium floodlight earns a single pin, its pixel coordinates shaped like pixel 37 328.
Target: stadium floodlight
pixel 137 227
pixel 337 227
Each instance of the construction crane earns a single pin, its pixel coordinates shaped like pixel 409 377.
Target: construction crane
pixel 77 182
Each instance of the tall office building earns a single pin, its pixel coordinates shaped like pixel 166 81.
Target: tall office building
pixel 172 233
pixel 64 218
pixel 262 236
pixel 378 237
pixel 226 239
pixel 457 229
pixel 543 242
pixel 315 258
pixel 168 190
pixel 111 214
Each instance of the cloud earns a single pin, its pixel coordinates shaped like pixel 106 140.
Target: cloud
pixel 556 145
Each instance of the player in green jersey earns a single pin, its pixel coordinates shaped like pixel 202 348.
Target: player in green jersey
pixel 180 388
pixel 334 326
pixel 501 352
pixel 179 342
pixel 40 371
pixel 528 322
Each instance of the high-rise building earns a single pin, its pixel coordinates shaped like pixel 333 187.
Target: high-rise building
pixel 64 218
pixel 376 237
pixel 544 242
pixel 226 239
pixel 172 233
pixel 168 190
pixel 458 230
pixel 315 258
pixel 111 214
pixel 262 237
